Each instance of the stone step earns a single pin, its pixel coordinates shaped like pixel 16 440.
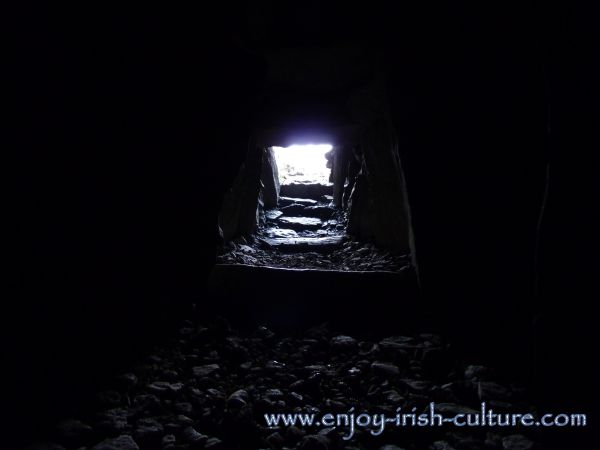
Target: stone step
pixel 311 191
pixel 281 233
pixel 300 223
pixel 323 212
pixel 285 201
pixel 304 244
pixel 295 209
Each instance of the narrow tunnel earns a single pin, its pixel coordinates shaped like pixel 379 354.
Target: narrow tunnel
pixel 300 208
pixel 308 213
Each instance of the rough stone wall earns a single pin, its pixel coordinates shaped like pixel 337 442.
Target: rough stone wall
pixel 238 215
pixel 377 207
pixel 378 210
pixel 269 176
pixel 339 173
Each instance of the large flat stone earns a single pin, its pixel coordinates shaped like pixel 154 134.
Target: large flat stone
pixel 314 191
pixel 305 244
pixel 323 212
pixel 301 223
pixel 285 201
pixel 281 233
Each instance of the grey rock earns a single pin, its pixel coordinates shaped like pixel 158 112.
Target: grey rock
pixel 343 342
pixel 122 442
pixel 398 343
pixel 517 442
pixel 281 233
pixel 418 385
pixel 113 420
pixel 273 214
pixel 206 370
pixel 183 420
pixel 393 397
pixel 168 441
pixel 191 436
pixel 238 399
pixel 164 387
pixel 385 369
pixel 476 373
pixel 148 429
pixel 214 443
pixel 215 395
pixel 294 398
pixel 274 394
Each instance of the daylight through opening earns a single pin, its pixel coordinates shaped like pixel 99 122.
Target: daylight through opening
pixel 303 163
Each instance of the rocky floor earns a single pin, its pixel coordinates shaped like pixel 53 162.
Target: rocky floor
pixel 329 254
pixel 211 386
pixel 308 233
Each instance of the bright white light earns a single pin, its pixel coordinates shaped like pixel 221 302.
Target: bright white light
pixel 303 163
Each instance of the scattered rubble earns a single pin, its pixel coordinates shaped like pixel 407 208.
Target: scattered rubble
pixel 222 382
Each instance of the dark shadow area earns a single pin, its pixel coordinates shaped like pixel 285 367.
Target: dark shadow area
pixel 464 182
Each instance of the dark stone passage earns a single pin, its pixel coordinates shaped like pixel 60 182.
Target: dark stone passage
pixel 308 233
pixel 302 224
pixel 167 285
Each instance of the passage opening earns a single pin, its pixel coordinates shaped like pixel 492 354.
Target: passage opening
pixel 297 209
pixel 304 164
